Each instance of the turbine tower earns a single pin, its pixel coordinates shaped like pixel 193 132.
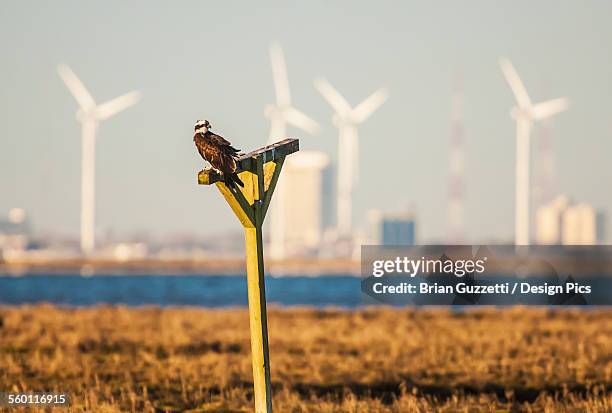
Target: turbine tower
pixel 89 115
pixel 346 120
pixel 281 114
pixel 525 113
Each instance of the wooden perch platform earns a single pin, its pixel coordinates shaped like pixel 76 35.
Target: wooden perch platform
pixel 259 171
pixel 248 162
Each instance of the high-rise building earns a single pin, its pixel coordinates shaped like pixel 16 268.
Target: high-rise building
pixel 392 228
pixel 582 225
pixel 305 201
pixel 563 222
pixel 549 221
pixel 15 230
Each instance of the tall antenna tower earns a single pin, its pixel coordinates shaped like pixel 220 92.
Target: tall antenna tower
pixel 546 164
pixel 456 225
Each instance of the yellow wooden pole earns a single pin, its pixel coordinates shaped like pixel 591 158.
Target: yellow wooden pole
pixel 259 171
pixel 258 320
pixel 251 217
pixel 256 286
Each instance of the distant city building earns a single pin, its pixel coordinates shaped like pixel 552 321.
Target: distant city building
pixel 129 251
pixel 567 223
pixel 392 228
pixel 582 225
pixel 305 201
pixel 14 230
pixel 549 221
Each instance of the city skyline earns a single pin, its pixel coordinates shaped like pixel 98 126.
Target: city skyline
pixel 151 185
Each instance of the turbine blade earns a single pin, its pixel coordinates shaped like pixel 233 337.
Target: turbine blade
pixel 300 120
pixel 549 108
pixel 513 79
pixel 76 87
pixel 279 73
pixel 368 106
pixel 333 97
pixel 114 106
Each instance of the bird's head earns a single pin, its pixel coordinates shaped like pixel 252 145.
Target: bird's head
pixel 202 126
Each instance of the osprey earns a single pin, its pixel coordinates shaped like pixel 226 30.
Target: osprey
pixel 218 152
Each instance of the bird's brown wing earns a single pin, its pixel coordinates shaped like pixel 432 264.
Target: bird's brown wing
pixel 218 151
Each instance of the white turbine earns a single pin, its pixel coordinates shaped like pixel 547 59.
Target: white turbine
pixel 90 115
pixel 525 113
pixel 346 120
pixel 281 114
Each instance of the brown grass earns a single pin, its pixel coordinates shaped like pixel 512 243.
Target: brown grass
pixel 376 360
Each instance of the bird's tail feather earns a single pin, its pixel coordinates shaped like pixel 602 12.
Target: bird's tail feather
pixel 237 180
pixel 231 180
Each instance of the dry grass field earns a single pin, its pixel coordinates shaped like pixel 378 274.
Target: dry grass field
pixel 112 359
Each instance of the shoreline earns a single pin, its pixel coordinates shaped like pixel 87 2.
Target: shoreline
pixel 578 267
pixel 170 267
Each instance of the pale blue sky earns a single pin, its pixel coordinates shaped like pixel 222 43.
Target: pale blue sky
pixel 209 60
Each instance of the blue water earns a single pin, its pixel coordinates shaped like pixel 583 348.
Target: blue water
pixel 210 291
pixel 166 290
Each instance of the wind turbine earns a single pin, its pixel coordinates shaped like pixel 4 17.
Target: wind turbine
pixel 90 114
pixel 281 114
pixel 525 113
pixel 346 120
